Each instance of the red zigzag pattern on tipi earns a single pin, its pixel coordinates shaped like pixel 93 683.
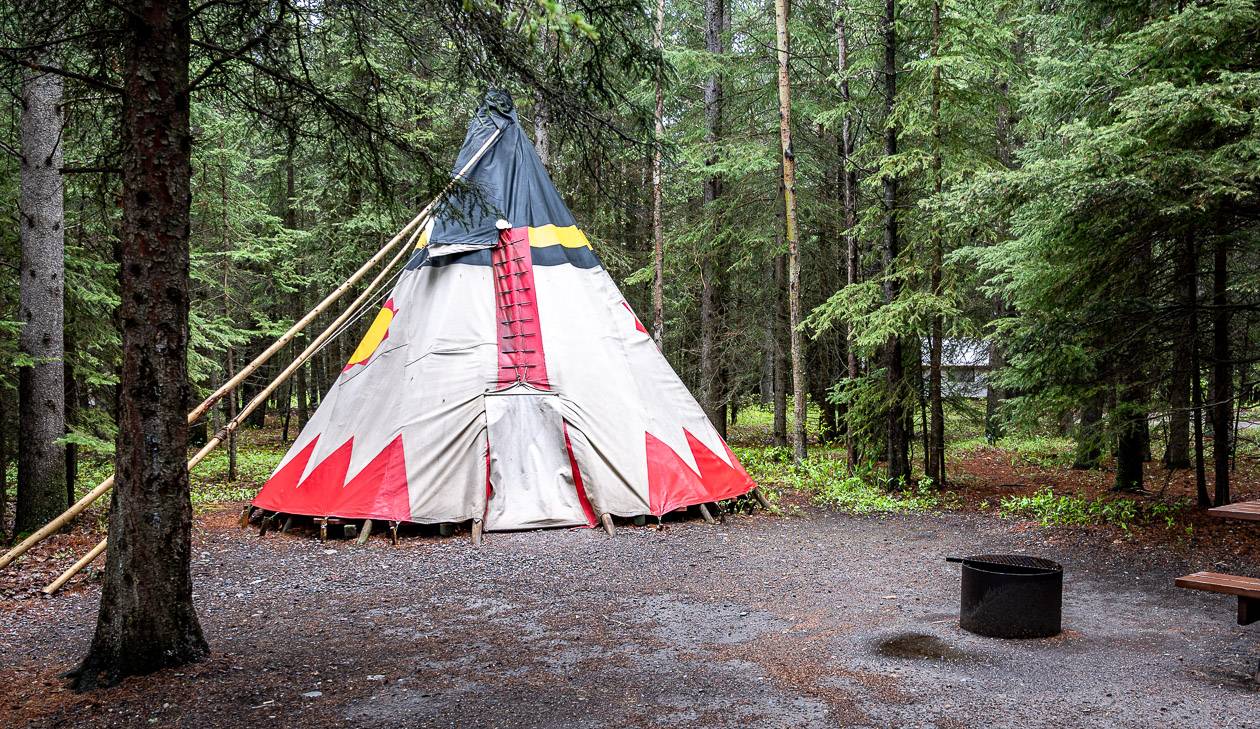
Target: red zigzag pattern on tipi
pixel 379 491
pixel 673 484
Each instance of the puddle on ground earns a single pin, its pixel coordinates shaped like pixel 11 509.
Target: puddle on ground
pixel 918 646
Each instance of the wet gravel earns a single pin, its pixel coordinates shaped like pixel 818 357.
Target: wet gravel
pixel 816 620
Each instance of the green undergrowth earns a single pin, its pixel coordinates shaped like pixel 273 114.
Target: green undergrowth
pixel 256 457
pixel 827 480
pixel 1051 509
pixel 1022 449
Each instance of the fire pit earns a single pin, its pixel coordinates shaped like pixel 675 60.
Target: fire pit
pixel 1011 596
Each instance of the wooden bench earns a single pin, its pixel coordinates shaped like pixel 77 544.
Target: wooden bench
pixel 1245 510
pixel 1247 589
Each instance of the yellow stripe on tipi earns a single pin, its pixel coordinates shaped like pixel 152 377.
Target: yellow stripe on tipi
pixel 425 232
pixel 374 336
pixel 569 236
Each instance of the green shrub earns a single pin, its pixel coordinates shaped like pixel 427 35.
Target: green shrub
pixel 1051 509
pixel 828 481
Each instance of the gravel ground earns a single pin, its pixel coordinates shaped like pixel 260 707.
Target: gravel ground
pixel 814 620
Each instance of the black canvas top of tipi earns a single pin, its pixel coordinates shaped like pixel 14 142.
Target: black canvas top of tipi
pixel 509 183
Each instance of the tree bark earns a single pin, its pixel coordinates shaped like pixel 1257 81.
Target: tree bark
pixel 230 415
pixel 799 385
pixel 850 187
pixel 41 482
pixel 1177 452
pixel 71 400
pixel 1196 389
pixel 1088 437
pixel 898 392
pixel 147 620
pixel 303 396
pixel 936 430
pixel 4 465
pixel 658 223
pixel 994 424
pixel 711 269
pixel 542 127
pixel 1129 452
pixel 1222 372
pixel 781 363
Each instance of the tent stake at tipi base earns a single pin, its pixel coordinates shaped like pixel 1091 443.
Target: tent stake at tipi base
pixel 247 513
pixel 606 520
pixel 476 532
pixel 367 531
pixel 393 533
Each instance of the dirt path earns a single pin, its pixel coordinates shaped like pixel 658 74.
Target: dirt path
pixel 816 620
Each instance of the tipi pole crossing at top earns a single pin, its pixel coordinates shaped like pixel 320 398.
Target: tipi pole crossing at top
pixel 405 234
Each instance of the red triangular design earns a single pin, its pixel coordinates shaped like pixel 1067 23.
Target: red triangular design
pixel 283 481
pixel 379 491
pixel 721 479
pixel 672 484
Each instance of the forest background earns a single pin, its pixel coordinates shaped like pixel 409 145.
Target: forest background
pixel 1070 188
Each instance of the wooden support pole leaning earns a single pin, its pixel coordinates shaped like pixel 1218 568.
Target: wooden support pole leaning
pixel 367 532
pixel 84 562
pixel 407 230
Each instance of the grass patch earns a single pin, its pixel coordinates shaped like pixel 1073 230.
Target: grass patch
pixel 1051 509
pixel 256 458
pixel 1045 451
pixel 827 480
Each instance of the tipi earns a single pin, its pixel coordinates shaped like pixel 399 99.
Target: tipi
pixel 505 380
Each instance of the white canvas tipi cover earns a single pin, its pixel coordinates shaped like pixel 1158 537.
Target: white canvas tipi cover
pixel 505 379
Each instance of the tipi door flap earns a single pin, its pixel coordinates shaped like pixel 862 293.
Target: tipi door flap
pixel 531 479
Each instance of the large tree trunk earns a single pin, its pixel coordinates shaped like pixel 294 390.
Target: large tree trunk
pixel 542 129
pixel 1196 390
pixel 658 222
pixel 713 390
pixel 1177 452
pixel 993 419
pixel 1196 380
pixel 799 385
pixel 899 413
pixel 1222 372
pixel 147 620
pixel 1129 451
pixel 303 396
pixel 230 415
pixel 936 430
pixel 72 416
pixel 4 465
pixel 41 492
pixel 850 187
pixel 1089 436
pixel 781 362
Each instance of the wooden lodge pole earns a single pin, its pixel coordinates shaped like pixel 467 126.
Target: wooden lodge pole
pixel 79 506
pixel 84 562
